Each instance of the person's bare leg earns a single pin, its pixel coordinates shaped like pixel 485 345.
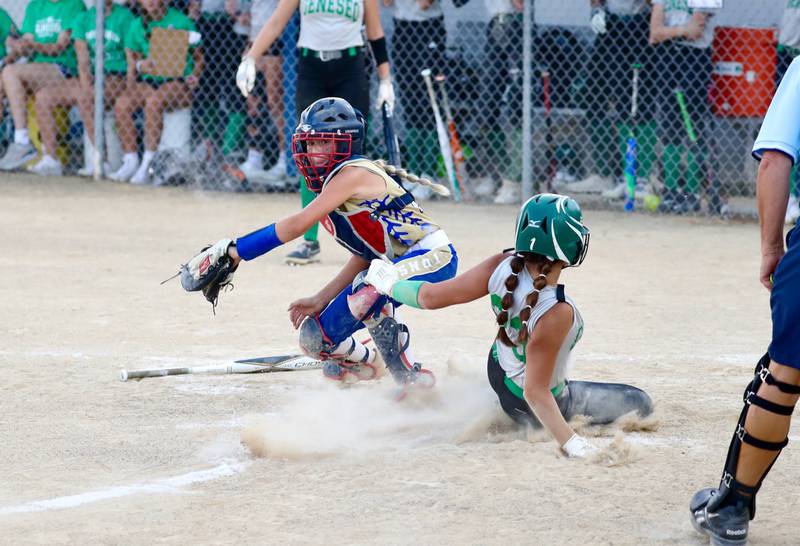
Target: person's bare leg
pixel 170 96
pixel 114 87
pixel 273 75
pixel 125 106
pixel 129 102
pixel 47 100
pixel 19 79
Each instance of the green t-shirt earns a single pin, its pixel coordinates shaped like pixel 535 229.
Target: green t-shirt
pixel 117 25
pixel 45 20
pixel 138 39
pixel 7 27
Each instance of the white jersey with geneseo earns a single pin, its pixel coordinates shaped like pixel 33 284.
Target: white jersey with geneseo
pixel 512 359
pixel 327 25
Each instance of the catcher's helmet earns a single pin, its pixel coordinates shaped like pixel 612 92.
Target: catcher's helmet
pixel 331 120
pixel 550 225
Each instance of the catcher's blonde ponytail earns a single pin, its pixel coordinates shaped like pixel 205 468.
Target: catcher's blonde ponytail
pixel 411 177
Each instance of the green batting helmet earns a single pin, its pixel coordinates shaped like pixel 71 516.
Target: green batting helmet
pixel 550 225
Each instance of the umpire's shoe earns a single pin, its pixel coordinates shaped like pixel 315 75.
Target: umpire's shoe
pixel 305 253
pixel 726 527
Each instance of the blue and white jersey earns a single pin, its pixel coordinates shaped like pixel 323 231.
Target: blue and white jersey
pixel 781 128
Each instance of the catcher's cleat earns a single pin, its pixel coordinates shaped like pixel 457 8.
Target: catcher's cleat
pixel 349 372
pixel 726 526
pixel 421 378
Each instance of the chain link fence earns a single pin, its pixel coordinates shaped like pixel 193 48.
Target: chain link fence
pixel 689 86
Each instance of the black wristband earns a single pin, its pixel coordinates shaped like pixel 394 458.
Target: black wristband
pixel 379 50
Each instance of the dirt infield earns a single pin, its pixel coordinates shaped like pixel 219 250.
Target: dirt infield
pixel 671 305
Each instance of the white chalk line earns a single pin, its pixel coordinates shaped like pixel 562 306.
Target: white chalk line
pixel 164 485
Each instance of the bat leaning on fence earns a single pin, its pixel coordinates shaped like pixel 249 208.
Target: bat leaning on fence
pixel 631 149
pixel 456 152
pixel 550 152
pixel 441 133
pixel 390 136
pixel 283 363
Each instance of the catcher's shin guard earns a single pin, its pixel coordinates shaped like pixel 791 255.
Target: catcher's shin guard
pixel 732 492
pixel 315 343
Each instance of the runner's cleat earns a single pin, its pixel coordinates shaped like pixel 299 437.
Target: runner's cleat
pixel 725 527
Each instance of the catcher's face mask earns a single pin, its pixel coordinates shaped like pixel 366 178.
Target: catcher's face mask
pixel 317 154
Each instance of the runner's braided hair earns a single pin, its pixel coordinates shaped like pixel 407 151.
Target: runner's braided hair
pixel 544 266
pixel 403 174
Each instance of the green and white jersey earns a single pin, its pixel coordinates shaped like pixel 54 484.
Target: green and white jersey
pixel 789 35
pixel 7 27
pixel 117 25
pixel 138 39
pixel 678 13
pixel 512 359
pixel 45 20
pixel 327 25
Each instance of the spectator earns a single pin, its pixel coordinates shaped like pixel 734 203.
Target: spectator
pixel 788 49
pixel 80 91
pixel 223 47
pixel 418 42
pixel 682 37
pixel 7 30
pixel 622 29
pixel 46 40
pixel 502 62
pixel 155 94
pixel 253 15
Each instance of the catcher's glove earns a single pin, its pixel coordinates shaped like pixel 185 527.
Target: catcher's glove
pixel 210 270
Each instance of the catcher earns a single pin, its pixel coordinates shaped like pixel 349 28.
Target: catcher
pixel 364 206
pixel 538 324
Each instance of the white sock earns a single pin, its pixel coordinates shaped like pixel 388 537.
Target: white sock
pixel 148 157
pixel 47 158
pixel 130 159
pixel 359 351
pixel 21 137
pixel 255 159
pixel 281 158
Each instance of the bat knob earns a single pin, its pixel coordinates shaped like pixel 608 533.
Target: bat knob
pixel 123 375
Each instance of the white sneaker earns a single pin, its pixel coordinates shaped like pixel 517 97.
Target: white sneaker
pixel 485 187
pixel 88 170
pixel 620 191
pixel 617 192
pixel 47 166
pixel 592 184
pixel 793 210
pixel 17 155
pixel 259 178
pixel 141 176
pixel 126 171
pixel 508 194
pixel 421 192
